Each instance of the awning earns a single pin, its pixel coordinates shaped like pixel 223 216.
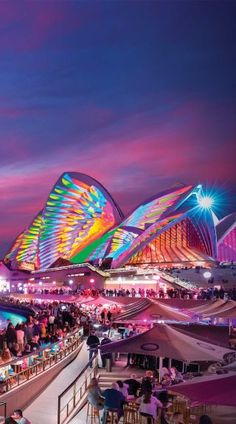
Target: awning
pixel 152 312
pixel 164 341
pixel 220 391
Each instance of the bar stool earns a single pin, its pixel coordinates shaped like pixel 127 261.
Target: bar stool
pixel 111 416
pixel 146 420
pixel 93 414
pixel 130 415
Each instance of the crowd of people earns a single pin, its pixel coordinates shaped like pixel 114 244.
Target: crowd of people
pixel 50 323
pixel 175 293
pixel 150 398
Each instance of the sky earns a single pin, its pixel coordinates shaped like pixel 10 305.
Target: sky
pixel 140 95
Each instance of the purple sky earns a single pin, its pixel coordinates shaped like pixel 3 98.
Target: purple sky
pixel 139 95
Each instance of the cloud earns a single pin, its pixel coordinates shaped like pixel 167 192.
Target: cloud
pixel 26 27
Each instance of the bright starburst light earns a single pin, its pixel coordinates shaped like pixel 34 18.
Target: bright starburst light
pixel 206 202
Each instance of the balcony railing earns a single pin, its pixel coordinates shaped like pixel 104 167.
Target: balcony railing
pixel 18 378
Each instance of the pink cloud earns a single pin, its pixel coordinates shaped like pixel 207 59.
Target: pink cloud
pixel 26 29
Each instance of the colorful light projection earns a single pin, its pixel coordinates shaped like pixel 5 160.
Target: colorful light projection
pixel 78 211
pixel 81 222
pixel 148 213
pixel 123 241
pixel 179 243
pixel 168 216
pixel 226 235
pixel 24 253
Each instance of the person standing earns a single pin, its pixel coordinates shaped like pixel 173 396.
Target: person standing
pixel 105 356
pixel 92 343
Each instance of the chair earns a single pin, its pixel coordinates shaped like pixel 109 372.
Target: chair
pixel 131 415
pixel 92 414
pixel 111 416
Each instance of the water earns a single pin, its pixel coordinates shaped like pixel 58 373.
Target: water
pixel 13 317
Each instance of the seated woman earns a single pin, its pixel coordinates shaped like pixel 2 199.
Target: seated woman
pixel 175 375
pixel 166 380
pixel 149 406
pixel 95 395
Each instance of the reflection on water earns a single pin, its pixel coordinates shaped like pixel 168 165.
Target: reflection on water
pixel 14 318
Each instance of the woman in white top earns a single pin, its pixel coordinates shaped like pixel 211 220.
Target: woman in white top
pixel 149 405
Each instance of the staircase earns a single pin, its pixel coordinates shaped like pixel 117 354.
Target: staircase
pixel 119 372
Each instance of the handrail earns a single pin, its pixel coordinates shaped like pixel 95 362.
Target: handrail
pixel 32 371
pixel 77 393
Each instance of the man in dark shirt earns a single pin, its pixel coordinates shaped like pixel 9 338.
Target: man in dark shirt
pixel 92 343
pixel 105 356
pixel 113 400
pixel 133 384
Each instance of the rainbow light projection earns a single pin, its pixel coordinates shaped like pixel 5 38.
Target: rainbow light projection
pixel 81 222
pixel 78 211
pixel 24 252
pixel 167 215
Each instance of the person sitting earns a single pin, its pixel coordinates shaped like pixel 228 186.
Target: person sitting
pixel 15 350
pixel 175 375
pixel 34 343
pixel 133 384
pixel 27 350
pixel 146 385
pixel 113 400
pixel 163 371
pixel 95 395
pixel 6 354
pixel 149 406
pixel 166 380
pixel 105 356
pixel 123 388
pixel 18 417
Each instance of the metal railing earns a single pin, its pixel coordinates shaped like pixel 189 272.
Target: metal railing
pixel 19 378
pixel 70 399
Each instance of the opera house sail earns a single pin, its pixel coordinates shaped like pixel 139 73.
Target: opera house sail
pixel 81 222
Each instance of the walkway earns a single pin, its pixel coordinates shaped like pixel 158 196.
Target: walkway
pixel 44 409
